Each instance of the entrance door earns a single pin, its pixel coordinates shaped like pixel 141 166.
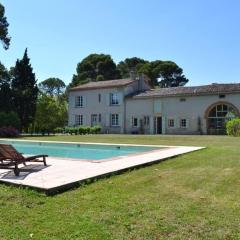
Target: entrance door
pixel 158 125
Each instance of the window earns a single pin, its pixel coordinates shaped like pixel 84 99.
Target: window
pixel 218 117
pixel 183 123
pixel 134 122
pixel 114 99
pixel 114 120
pixel 78 120
pixel 99 97
pixel 79 101
pixel 182 99
pixel 220 111
pixel 146 120
pixel 170 123
pixel 99 117
pixel 222 96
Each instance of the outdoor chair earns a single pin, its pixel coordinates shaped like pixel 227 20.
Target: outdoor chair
pixel 10 158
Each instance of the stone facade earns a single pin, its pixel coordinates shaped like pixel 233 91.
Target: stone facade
pixel 130 106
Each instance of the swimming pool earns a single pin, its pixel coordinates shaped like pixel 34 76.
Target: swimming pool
pixel 77 150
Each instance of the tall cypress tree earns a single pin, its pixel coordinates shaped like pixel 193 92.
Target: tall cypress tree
pixel 4 28
pixel 25 91
pixel 5 90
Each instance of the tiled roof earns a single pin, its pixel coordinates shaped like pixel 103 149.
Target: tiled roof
pixel 103 84
pixel 191 91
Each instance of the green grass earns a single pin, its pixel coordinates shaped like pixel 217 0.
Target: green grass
pixel 193 196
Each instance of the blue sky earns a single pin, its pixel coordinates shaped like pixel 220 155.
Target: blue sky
pixel 201 36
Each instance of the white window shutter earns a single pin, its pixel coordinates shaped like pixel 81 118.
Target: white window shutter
pixel 175 122
pixel 75 119
pixel 120 98
pixel 84 120
pixel 187 123
pixel 84 101
pixel 151 124
pixel 107 120
pixel 75 101
pixel 120 119
pixel 178 122
pixel 108 99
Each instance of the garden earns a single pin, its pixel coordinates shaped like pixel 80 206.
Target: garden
pixel 194 196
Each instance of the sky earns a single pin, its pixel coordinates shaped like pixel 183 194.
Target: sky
pixel 202 37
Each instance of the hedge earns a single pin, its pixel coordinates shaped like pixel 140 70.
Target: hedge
pixel 80 130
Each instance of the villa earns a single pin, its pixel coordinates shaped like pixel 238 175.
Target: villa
pixel 131 106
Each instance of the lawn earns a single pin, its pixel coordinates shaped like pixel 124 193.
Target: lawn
pixel 194 196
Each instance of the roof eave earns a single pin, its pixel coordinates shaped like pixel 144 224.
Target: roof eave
pixel 101 87
pixel 187 94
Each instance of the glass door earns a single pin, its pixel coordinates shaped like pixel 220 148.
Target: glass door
pixel 94 121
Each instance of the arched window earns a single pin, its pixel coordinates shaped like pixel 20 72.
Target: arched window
pixel 217 117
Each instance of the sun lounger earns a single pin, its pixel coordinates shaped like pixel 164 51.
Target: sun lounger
pixel 10 158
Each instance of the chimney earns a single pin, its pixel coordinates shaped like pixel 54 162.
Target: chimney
pixel 141 82
pixel 133 75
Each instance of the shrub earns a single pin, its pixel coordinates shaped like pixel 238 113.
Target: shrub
pixel 82 130
pixel 59 130
pixel 88 130
pixel 75 131
pixel 8 132
pixel 70 130
pixel 98 129
pixel 233 127
pixel 95 129
pixel 66 129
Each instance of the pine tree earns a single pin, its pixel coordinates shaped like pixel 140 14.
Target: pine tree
pixel 25 91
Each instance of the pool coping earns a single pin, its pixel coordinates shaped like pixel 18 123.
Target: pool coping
pixel 95 143
pixel 65 174
pixel 158 147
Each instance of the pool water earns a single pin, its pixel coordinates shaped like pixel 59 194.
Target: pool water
pixel 76 151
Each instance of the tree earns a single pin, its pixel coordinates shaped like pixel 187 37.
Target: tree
pixel 6 103
pixel 52 86
pixel 100 78
pixel 164 74
pixel 151 70
pixel 4 28
pixel 93 66
pixel 9 119
pixel 25 91
pixel 45 122
pixel 171 75
pixel 130 64
pixel 160 73
pixel 99 67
